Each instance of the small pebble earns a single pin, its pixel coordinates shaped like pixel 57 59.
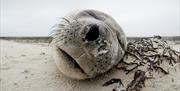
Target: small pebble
pixel 42 53
pixel 25 71
pixel 23 55
pixel 15 83
pixel 26 76
pixel 172 80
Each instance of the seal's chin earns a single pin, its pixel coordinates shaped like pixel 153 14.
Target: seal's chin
pixel 71 59
pixel 67 64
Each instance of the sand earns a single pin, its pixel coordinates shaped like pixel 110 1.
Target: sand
pixel 30 67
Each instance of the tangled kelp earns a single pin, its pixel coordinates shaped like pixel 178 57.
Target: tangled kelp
pixel 145 57
pixel 150 53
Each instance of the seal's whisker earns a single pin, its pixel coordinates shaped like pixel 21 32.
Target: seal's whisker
pixel 57 26
pixel 61 26
pixel 57 41
pixel 66 20
pixel 56 38
pixel 57 31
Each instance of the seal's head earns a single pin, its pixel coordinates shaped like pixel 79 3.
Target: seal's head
pixel 87 43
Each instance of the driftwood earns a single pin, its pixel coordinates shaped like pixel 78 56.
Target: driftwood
pixel 147 55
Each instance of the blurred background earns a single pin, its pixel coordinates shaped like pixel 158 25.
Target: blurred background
pixel 136 17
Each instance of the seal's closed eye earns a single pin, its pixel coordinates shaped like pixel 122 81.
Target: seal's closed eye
pixel 93 33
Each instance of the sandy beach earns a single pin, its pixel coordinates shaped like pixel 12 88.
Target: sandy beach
pixel 29 67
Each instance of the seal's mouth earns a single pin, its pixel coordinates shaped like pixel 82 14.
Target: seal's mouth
pixel 71 60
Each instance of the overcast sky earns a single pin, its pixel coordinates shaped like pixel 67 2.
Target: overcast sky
pixel 136 17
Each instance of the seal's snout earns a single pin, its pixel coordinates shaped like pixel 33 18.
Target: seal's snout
pixel 87 43
pixel 93 33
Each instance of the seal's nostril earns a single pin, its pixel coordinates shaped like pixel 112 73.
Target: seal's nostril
pixel 93 33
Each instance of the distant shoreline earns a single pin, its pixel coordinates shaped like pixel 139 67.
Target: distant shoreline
pixel 47 39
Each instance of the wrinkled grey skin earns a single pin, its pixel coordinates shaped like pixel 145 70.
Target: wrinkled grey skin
pixel 80 54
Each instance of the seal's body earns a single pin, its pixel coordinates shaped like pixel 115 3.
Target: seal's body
pixel 87 43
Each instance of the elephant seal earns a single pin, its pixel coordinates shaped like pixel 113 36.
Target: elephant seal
pixel 87 43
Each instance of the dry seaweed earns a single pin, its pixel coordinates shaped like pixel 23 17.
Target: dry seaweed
pixel 152 54
pixel 138 81
pixel 112 81
pixel 118 87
